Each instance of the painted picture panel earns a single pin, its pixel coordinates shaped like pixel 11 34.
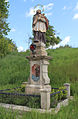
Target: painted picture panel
pixel 35 72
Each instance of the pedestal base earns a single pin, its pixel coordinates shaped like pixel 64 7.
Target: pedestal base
pixel 36 89
pixel 33 89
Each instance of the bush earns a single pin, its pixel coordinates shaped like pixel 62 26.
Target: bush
pixel 57 97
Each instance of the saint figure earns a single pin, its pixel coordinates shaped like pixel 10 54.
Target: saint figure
pixel 40 25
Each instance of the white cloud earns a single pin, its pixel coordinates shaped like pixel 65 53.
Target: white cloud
pixel 67 8
pixel 21 49
pixel 32 10
pixel 65 41
pixel 30 13
pixel 48 7
pixel 48 14
pixel 56 46
pixel 13 30
pixel 6 0
pixel 76 8
pixel 75 16
pixel 62 43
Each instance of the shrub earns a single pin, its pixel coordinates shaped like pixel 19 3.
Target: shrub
pixel 58 97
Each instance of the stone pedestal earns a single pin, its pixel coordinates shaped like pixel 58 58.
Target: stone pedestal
pixel 38 70
pixel 33 89
pixel 45 97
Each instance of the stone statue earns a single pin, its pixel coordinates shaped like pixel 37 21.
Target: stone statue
pixel 40 25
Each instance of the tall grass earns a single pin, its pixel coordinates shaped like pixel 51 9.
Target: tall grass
pixel 14 69
pixel 8 114
pixel 64 66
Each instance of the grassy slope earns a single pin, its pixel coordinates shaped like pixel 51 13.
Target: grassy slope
pixel 14 69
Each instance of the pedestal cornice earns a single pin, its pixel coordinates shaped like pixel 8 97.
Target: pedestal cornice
pixel 38 58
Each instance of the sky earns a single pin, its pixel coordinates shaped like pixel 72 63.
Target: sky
pixel 62 14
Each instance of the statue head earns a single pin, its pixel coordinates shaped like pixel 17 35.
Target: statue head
pixel 38 11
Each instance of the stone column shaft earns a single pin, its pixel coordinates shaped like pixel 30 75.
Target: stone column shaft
pixel 45 98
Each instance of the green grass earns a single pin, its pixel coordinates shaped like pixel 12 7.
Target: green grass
pixel 14 69
pixel 68 112
pixel 8 114
pixel 63 68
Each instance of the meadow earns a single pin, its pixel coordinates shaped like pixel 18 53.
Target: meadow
pixel 63 68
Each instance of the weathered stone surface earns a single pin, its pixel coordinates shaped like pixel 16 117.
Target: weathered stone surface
pixel 40 49
pixel 34 57
pixel 67 85
pixel 59 105
pixel 45 97
pixel 33 89
pixel 39 81
pixel 44 79
pixel 23 108
pixel 37 89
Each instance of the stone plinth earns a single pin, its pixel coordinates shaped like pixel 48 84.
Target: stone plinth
pixel 40 49
pixel 45 97
pixel 33 89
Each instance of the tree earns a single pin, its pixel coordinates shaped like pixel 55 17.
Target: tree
pixel 11 45
pixel 6 46
pixel 3 47
pixel 51 38
pixel 4 28
pixel 66 46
